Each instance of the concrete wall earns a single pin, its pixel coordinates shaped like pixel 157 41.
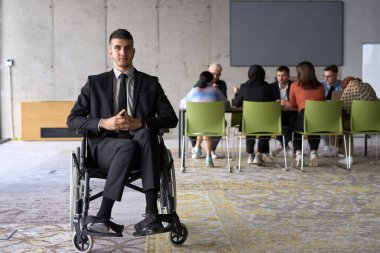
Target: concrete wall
pixel 56 44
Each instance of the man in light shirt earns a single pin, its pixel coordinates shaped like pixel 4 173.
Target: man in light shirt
pixel 331 83
pixel 281 89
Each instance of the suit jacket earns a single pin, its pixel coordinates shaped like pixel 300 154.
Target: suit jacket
pixel 276 90
pixel 96 102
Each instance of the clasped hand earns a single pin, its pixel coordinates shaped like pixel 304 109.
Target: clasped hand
pixel 121 121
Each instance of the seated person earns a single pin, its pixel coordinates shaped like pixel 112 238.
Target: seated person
pixel 306 88
pixel 204 92
pixel 355 90
pixel 216 70
pixel 255 89
pixel 281 91
pixel 123 110
pixel 330 83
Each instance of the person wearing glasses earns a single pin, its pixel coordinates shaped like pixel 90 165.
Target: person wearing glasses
pixel 331 83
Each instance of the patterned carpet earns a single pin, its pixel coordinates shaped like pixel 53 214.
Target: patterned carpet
pixel 265 209
pixel 34 200
pixel 260 209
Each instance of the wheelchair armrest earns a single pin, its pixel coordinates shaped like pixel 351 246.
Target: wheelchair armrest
pixel 81 131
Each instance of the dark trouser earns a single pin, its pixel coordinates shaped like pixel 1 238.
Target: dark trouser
pixel 263 145
pixel 288 119
pixel 121 155
pixel 312 139
pixel 215 141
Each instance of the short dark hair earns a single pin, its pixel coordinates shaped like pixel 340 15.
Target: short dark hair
pixel 282 69
pixel 332 68
pixel 205 78
pixel 121 34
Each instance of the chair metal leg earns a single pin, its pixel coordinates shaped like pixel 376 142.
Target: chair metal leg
pixel 376 150
pixel 239 154
pixel 349 152
pixel 283 141
pixel 183 155
pixel 345 151
pixel 302 153
pixel 377 138
pixel 228 156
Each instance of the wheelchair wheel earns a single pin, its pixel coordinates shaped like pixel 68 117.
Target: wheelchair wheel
pixel 84 244
pixel 178 238
pixel 73 181
pixel 75 185
pixel 167 194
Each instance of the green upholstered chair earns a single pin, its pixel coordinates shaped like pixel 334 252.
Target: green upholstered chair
pixel 322 118
pixel 261 119
pixel 365 119
pixel 205 119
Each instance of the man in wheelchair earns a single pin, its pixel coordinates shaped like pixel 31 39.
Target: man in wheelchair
pixel 122 112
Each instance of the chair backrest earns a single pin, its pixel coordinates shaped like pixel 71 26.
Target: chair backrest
pixel 261 118
pixel 205 119
pixel 323 117
pixel 365 116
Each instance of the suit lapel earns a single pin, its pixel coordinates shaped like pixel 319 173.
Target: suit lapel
pixel 109 89
pixel 277 90
pixel 136 90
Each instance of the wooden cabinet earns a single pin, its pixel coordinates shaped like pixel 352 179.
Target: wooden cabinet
pixel 46 120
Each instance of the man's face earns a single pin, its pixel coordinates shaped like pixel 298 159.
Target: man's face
pixel 122 53
pixel 216 73
pixel 282 77
pixel 330 77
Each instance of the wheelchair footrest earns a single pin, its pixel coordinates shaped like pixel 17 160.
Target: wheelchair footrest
pixel 112 226
pixel 87 232
pixel 166 229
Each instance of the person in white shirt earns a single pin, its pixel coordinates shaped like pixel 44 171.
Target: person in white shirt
pixel 281 89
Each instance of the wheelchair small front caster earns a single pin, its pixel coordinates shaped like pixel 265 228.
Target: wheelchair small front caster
pixel 84 244
pixel 178 238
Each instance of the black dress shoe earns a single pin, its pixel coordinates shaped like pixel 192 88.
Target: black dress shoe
pixel 148 226
pixel 99 224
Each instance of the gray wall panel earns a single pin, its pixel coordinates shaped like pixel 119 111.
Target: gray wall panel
pixel 27 39
pixel 184 45
pixel 140 18
pixel 175 41
pixel 79 44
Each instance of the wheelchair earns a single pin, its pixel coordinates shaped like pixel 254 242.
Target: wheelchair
pixel 83 169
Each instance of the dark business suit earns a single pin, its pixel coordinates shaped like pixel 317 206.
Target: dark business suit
pixel 150 104
pixel 287 118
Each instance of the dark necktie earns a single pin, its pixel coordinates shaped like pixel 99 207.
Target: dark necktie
pixel 329 94
pixel 123 102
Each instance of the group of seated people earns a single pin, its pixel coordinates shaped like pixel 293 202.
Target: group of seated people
pixel 291 94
